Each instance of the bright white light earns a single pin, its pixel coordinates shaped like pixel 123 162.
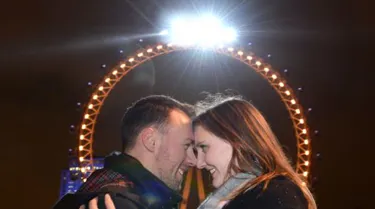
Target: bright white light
pixel 204 31
pixel 163 32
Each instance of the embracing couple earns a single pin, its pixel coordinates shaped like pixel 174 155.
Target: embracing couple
pixel 162 138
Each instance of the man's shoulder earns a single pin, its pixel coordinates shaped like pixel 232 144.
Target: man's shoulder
pixel 100 182
pixel 106 178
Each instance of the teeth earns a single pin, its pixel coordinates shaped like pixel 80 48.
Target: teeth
pixel 181 171
pixel 212 170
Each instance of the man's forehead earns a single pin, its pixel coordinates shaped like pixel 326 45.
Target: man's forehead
pixel 179 125
pixel 178 117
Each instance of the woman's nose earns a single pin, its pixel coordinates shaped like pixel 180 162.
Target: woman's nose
pixel 191 160
pixel 201 163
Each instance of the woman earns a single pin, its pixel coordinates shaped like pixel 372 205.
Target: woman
pixel 248 167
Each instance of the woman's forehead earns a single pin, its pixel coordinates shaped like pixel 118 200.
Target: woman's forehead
pixel 201 135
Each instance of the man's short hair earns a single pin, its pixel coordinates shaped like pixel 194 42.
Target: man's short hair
pixel 149 111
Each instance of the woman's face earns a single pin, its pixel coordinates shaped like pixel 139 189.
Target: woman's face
pixel 214 155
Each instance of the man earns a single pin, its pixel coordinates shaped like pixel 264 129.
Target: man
pixel 157 150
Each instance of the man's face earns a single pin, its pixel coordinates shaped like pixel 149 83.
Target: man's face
pixel 175 154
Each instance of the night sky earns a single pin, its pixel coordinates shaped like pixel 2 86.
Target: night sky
pixel 50 50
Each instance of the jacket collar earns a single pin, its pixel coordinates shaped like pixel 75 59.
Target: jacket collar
pixel 154 192
pixel 216 200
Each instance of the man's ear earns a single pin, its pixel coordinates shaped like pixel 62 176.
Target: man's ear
pixel 148 138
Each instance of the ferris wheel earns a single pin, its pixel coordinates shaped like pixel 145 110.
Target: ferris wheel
pixel 265 70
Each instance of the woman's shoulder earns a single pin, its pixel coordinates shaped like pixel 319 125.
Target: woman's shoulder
pixel 280 192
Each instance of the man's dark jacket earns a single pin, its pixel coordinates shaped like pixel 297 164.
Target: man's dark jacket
pixel 130 185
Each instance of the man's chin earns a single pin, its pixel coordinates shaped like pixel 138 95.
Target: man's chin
pixel 180 178
pixel 176 186
pixel 180 186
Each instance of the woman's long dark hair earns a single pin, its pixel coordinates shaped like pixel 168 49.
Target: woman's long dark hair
pixel 255 147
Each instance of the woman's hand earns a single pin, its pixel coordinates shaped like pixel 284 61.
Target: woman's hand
pixel 93 204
